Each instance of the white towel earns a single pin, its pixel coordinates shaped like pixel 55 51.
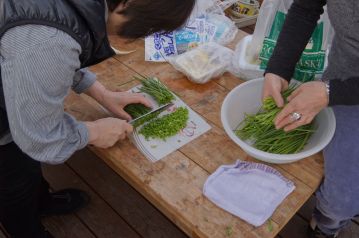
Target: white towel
pixel 250 191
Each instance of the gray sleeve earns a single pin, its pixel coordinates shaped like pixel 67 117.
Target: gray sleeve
pixel 83 80
pixel 38 69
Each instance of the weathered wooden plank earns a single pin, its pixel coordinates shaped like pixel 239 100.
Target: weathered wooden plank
pixel 207 100
pixel 127 202
pixel 157 181
pixel 112 74
pixel 68 226
pixel 208 105
pixel 309 171
pixel 174 185
pixel 207 157
pixel 98 216
pixel 228 81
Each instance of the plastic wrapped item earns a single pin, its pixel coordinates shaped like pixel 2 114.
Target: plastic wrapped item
pixel 269 24
pixel 240 66
pixel 226 29
pixel 202 64
pixel 246 70
pixel 207 23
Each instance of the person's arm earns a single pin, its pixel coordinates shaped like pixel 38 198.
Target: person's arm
pixel 38 67
pixel 83 80
pixel 299 25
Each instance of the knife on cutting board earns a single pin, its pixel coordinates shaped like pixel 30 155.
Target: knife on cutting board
pixel 159 109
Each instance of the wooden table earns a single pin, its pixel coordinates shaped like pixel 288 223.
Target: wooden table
pixel 174 184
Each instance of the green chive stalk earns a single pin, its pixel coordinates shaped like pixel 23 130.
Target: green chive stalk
pixel 156 89
pixel 261 131
pixel 136 110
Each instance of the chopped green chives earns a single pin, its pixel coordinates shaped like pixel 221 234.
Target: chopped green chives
pixel 167 125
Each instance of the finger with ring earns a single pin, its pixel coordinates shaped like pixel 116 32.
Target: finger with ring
pixel 295 116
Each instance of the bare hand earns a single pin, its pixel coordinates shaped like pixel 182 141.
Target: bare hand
pixel 104 133
pixel 116 101
pixel 273 86
pixel 307 100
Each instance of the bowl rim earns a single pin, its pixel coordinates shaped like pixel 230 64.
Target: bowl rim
pixel 268 156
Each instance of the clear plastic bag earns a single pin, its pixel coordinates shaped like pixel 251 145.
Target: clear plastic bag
pixel 205 62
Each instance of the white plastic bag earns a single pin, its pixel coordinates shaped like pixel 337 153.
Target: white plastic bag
pixel 240 66
pixel 260 48
pixel 207 23
pixel 205 62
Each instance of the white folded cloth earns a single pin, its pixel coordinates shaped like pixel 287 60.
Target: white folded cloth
pixel 250 191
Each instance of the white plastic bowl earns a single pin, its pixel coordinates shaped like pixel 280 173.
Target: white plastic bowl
pixel 246 98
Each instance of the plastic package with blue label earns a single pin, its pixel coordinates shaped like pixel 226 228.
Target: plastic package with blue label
pixel 207 23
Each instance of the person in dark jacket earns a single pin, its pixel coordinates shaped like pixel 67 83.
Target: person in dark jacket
pixel 45 47
pixel 337 197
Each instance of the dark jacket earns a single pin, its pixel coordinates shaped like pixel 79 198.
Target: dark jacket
pixel 84 20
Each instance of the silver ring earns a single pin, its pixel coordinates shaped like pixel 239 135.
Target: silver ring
pixel 295 116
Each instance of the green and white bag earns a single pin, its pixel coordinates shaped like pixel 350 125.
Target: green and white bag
pixel 269 24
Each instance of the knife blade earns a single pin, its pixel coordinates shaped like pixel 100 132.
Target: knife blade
pixel 161 108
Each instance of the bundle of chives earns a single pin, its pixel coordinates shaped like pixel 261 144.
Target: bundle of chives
pixel 260 129
pixel 156 89
pixel 136 110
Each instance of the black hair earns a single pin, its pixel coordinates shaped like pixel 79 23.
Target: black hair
pixel 145 17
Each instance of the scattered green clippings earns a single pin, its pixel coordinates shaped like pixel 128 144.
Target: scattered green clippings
pixel 260 129
pixel 166 126
pixel 229 231
pixel 270 225
pixel 156 89
pixel 153 146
